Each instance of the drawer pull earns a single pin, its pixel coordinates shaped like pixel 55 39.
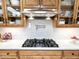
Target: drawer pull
pixel 72 53
pixel 7 53
pixel 42 58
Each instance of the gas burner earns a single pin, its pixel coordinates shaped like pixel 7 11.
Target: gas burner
pixel 40 43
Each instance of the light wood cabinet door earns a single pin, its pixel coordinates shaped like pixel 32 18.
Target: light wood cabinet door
pixel 25 57
pixel 8 57
pixel 8 53
pixel 30 3
pixel 51 57
pixel 30 57
pixel 71 53
pixel 36 57
pixel 50 3
pixel 40 53
pixel 70 58
pixel 40 57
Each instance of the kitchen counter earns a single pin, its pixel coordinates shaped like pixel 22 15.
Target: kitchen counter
pixel 41 29
pixel 17 44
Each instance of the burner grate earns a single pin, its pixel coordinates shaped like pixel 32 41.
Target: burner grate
pixel 40 43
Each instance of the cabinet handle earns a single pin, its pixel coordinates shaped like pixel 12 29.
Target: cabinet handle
pixel 42 58
pixel 8 53
pixel 72 53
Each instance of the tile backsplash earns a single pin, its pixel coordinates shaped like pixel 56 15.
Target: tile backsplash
pixel 45 30
pixel 40 27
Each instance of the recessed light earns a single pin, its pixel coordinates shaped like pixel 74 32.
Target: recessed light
pixel 31 18
pixel 48 18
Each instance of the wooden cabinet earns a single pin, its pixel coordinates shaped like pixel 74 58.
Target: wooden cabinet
pixel 40 57
pixel 70 55
pixel 51 57
pixel 6 54
pixel 50 4
pixel 13 13
pixel 30 3
pixel 8 57
pixel 10 13
pixel 76 13
pixel 30 57
pixel 40 54
pixel 2 14
pixel 32 54
pixel 67 13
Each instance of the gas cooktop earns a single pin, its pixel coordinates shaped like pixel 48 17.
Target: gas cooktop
pixel 40 43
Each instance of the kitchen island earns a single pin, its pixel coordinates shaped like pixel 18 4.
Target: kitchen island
pixel 40 29
pixel 12 49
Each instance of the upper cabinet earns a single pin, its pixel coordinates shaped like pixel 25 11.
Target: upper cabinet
pixel 30 3
pixel 50 3
pixel 1 9
pixel 76 13
pixel 13 13
pixel 13 8
pixel 2 14
pixel 66 17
